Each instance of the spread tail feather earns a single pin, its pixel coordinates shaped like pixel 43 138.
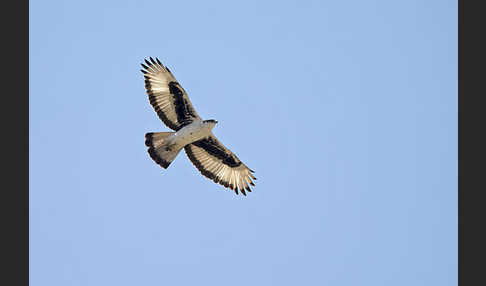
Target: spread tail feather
pixel 160 149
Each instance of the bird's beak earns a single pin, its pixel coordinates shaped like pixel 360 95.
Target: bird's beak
pixel 216 121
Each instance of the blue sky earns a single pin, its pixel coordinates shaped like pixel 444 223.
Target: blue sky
pixel 346 110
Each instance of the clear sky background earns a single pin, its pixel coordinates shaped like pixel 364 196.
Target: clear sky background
pixel 346 110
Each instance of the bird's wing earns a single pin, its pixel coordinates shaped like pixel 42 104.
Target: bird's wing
pixel 167 96
pixel 219 164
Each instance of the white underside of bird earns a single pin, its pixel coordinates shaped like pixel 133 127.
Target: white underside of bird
pixel 168 144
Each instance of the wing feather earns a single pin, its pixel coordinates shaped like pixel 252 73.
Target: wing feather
pixel 167 96
pixel 218 163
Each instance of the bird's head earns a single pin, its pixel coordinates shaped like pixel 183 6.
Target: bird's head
pixel 210 123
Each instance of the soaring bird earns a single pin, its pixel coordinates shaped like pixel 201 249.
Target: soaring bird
pixel 191 132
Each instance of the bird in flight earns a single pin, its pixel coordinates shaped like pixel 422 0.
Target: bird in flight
pixel 191 132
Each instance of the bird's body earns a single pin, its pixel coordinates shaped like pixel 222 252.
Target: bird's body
pixel 192 133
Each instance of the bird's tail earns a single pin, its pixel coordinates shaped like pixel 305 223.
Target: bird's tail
pixel 160 149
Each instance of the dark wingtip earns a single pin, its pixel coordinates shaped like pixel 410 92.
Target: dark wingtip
pixel 152 60
pixel 158 61
pixel 143 71
pixel 144 66
pixel 147 62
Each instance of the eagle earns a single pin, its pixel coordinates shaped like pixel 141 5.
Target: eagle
pixel 191 132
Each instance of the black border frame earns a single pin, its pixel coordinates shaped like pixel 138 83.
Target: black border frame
pixel 470 142
pixel 15 143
